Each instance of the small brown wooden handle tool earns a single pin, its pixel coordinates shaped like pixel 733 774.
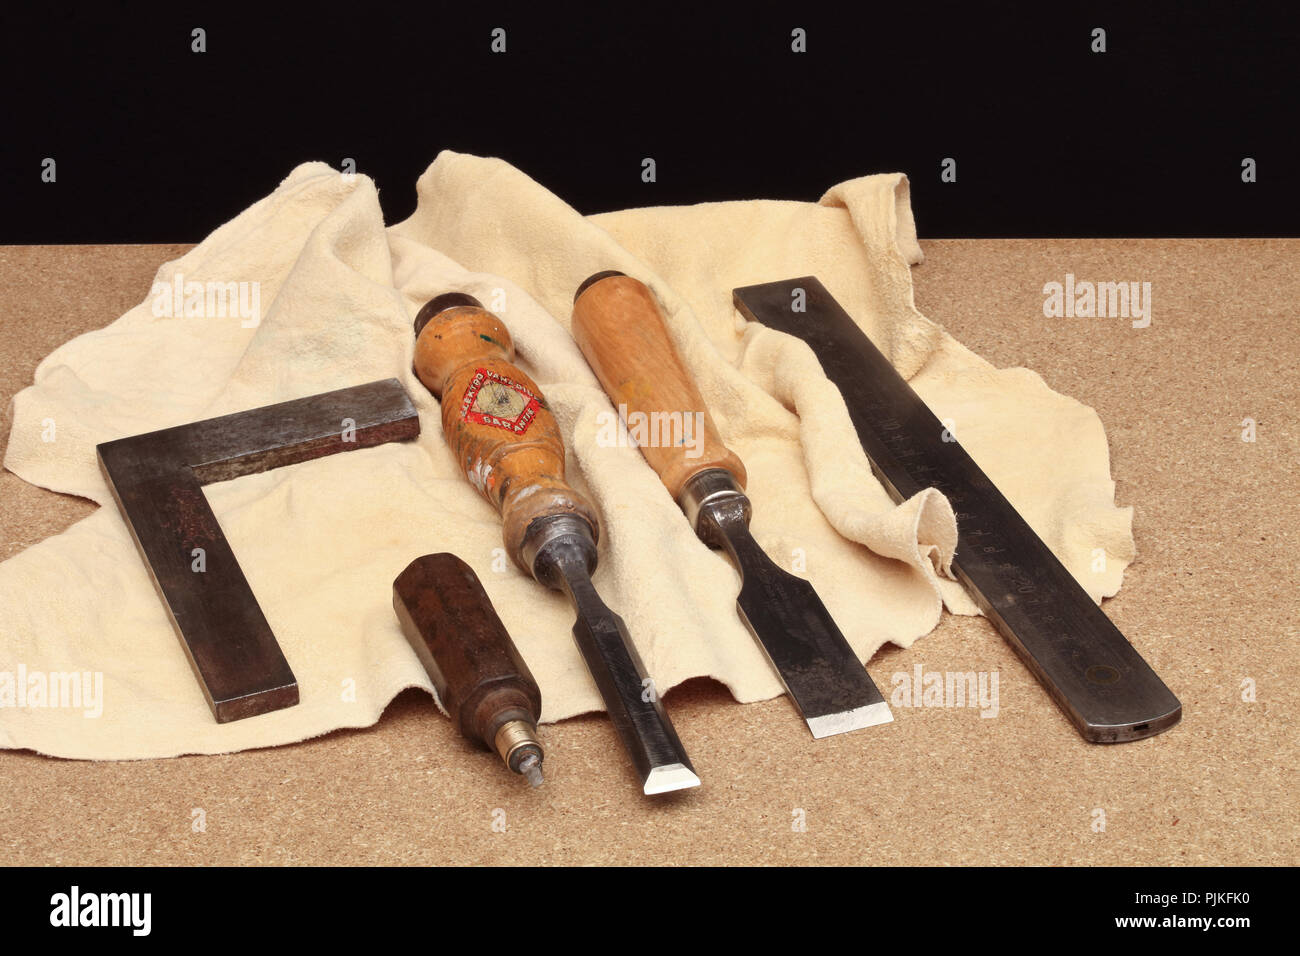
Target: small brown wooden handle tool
pixel 495 418
pixel 620 330
pixel 475 667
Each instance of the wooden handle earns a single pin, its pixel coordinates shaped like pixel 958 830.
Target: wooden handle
pixel 619 328
pixel 495 417
pixel 475 667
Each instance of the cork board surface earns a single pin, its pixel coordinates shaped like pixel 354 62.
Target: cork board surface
pixel 1211 602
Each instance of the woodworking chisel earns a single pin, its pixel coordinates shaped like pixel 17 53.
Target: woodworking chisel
pixel 1092 672
pixel 507 443
pixel 620 329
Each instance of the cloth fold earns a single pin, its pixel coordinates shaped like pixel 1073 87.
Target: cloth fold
pixel 321 542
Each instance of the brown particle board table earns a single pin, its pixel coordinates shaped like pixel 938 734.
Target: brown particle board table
pixel 1211 601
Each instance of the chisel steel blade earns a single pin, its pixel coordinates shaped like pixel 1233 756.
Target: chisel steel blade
pixel 1088 667
pixel 634 708
pixel 631 699
pixel 823 675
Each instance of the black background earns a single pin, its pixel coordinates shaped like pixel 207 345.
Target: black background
pixel 156 143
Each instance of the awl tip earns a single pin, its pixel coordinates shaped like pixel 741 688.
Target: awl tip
pixel 829 725
pixel 673 776
pixel 531 768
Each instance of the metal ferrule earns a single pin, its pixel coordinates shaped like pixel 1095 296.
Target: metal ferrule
pixel 514 739
pixel 708 492
pixel 558 543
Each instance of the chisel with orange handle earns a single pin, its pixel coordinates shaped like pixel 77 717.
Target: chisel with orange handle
pixel 621 331
pixel 508 445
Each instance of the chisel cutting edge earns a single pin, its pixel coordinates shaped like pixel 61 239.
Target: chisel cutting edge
pixel 507 443
pixel 620 329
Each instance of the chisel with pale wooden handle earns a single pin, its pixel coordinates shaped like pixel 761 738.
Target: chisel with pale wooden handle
pixel 620 329
pixel 508 445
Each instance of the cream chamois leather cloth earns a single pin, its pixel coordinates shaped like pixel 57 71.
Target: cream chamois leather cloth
pixel 322 541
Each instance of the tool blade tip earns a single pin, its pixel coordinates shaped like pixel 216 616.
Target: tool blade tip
pixel 531 768
pixel 828 725
pixel 673 776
